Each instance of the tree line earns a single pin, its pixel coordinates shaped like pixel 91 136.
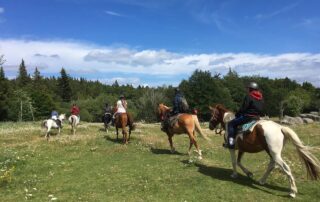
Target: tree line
pixel 33 97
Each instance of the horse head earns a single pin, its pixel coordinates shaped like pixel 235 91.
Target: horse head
pixel 62 117
pixel 162 111
pixel 217 116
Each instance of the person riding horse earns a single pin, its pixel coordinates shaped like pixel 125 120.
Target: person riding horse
pixel 179 106
pixel 121 107
pixel 75 110
pixel 251 109
pixel 54 116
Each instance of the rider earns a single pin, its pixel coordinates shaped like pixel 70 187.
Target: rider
pixel 251 109
pixel 107 109
pixel 177 109
pixel 75 110
pixel 54 116
pixel 121 107
pixel 177 102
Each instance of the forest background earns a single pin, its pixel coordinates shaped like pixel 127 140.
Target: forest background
pixel 30 96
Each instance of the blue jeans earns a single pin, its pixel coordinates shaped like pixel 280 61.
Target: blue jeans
pixel 232 125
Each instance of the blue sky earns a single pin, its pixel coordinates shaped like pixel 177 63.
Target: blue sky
pixel 156 42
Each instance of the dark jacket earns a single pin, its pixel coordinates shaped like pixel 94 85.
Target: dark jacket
pixel 252 104
pixel 176 103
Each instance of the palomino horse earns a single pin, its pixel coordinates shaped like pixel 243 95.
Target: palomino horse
pixel 50 123
pixel 270 137
pixel 74 121
pixel 187 123
pixel 122 120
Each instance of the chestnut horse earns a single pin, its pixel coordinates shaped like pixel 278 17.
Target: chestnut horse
pixel 187 123
pixel 122 120
pixel 266 136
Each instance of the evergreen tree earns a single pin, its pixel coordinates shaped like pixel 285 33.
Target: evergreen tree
pixel 36 75
pixel 23 77
pixel 2 76
pixel 4 93
pixel 64 86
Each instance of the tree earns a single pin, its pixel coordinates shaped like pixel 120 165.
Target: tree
pixel 64 86
pixel 23 77
pixel 4 92
pixel 202 90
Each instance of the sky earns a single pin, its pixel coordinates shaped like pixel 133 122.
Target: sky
pixel 161 42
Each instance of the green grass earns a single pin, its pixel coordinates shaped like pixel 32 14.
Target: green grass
pixel 93 166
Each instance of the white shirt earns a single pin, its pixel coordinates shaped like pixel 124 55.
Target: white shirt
pixel 120 107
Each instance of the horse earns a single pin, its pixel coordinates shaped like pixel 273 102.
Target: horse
pixel 74 121
pixel 268 136
pixel 186 123
pixel 106 119
pixel 50 123
pixel 122 120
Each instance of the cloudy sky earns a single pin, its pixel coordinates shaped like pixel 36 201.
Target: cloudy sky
pixel 156 42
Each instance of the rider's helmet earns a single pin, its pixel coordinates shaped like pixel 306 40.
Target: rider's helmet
pixel 121 97
pixel 177 90
pixel 253 85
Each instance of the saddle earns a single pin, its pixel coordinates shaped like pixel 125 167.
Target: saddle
pixel 247 128
pixel 169 122
pixel 58 122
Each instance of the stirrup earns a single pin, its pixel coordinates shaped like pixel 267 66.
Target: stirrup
pixel 226 145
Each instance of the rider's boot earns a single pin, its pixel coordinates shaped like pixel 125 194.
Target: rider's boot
pixel 230 144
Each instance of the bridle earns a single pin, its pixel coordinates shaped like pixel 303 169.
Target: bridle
pixel 215 119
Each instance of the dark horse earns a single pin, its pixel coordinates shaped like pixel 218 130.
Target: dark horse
pixel 122 120
pixel 106 119
pixel 270 137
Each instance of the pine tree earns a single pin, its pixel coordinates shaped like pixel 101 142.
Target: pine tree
pixel 4 92
pixel 64 86
pixel 36 75
pixel 2 76
pixel 23 77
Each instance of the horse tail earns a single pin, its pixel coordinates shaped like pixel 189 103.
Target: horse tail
pixel 198 127
pixel 311 162
pixel 43 124
pixel 132 126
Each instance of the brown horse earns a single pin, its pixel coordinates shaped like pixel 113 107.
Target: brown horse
pixel 123 120
pixel 265 136
pixel 187 123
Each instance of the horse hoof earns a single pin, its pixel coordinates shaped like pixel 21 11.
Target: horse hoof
pixel 200 157
pixel 234 175
pixel 292 195
pixel 249 174
pixel 262 182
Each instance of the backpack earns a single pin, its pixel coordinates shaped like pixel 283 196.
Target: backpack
pixel 184 107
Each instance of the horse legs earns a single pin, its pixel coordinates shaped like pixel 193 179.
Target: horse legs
pixel 117 131
pixel 246 171
pixel 234 163
pixel 47 134
pixel 287 171
pixel 59 131
pixel 125 135
pixel 193 141
pixel 171 143
pixel 271 166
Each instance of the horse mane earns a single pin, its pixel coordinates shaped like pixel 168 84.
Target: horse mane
pixel 221 107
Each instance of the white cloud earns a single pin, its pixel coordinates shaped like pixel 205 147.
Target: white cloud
pixel 114 13
pixel 1 10
pixel 93 61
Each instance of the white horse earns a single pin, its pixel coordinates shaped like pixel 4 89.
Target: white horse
pixel 270 137
pixel 50 123
pixel 74 121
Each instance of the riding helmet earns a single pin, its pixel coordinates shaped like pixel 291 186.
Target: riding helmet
pixel 253 85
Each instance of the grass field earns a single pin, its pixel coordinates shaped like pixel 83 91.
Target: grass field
pixel 93 166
